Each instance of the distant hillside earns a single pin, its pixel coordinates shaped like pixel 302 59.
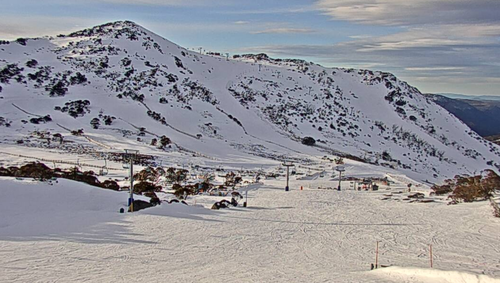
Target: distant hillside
pixel 119 85
pixel 494 139
pixel 471 97
pixel 482 116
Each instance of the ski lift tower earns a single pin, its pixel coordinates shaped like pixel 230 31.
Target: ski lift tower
pixel 131 154
pixel 340 169
pixel 287 165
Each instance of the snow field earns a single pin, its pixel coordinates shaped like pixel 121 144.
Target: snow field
pixel 298 236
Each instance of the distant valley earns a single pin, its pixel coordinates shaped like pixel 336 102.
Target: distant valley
pixel 481 114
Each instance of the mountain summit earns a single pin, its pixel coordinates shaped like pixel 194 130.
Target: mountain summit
pixel 119 85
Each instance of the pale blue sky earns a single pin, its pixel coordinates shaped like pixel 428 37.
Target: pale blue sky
pixel 435 45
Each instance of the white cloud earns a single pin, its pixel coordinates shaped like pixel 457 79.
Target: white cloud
pixel 452 42
pixel 238 26
pixel 414 12
pixel 283 31
pixel 431 64
pixel 194 28
pixel 268 10
pixel 451 37
pixel 435 69
pixel 363 36
pixel 13 27
pixel 178 3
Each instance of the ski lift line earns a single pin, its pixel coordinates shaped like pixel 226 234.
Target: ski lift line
pixel 178 146
pixel 97 143
pixel 26 112
pixel 166 124
pixel 402 179
pixel 311 168
pixel 88 138
pixel 144 104
pixel 196 153
pixel 280 145
pixel 69 130
pixel 241 125
pixel 170 126
pixel 137 128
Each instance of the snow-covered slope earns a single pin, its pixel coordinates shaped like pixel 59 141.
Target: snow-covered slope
pixel 72 232
pixel 126 87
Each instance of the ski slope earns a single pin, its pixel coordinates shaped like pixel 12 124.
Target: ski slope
pixel 126 87
pixel 308 235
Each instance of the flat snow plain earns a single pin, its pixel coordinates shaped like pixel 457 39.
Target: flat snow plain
pixel 71 232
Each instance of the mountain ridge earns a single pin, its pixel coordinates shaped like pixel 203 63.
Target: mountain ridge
pixel 119 80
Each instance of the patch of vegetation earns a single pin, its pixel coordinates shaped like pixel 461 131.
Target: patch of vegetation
pixel 39 120
pixel 309 141
pixel 40 171
pixel 5 122
pixel 11 71
pixel 78 78
pixel 75 109
pixel 22 41
pixel 32 63
pixel 57 89
pixel 181 192
pixel 469 188
pixel 95 123
pixel 176 176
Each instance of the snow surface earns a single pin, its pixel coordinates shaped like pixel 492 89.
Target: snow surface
pixel 72 232
pixel 249 109
pixel 66 231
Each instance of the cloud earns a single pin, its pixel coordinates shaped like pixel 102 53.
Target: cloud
pixel 431 63
pixel 283 31
pixel 13 27
pixel 362 36
pixel 448 39
pixel 434 69
pixel 242 27
pixel 415 12
pixel 176 3
pixel 452 42
pixel 268 10
pixel 194 28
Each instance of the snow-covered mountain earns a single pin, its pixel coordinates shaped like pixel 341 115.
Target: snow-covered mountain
pixel 119 85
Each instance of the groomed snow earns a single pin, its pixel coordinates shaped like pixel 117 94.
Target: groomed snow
pixel 412 274
pixel 71 232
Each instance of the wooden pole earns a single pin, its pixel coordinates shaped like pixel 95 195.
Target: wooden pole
pixel 287 176
pixel 340 178
pixel 376 256
pixel 430 254
pixel 131 197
